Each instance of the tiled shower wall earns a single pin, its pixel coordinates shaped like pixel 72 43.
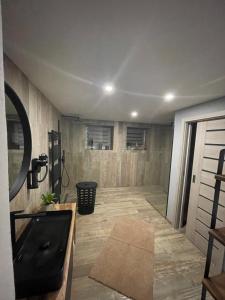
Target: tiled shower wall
pixel 118 167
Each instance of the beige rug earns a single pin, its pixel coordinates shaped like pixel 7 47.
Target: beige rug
pixel 126 262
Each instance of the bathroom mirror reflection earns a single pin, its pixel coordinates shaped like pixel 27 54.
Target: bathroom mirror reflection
pixel 19 141
pixel 15 141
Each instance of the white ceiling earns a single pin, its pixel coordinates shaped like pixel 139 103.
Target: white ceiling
pixel 69 49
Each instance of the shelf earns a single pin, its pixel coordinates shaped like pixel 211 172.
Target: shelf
pixel 218 234
pixel 216 286
pixel 220 177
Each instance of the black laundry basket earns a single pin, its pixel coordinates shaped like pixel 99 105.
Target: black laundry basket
pixel 86 192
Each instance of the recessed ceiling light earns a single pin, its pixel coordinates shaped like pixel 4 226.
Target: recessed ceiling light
pixel 108 88
pixel 169 97
pixel 134 114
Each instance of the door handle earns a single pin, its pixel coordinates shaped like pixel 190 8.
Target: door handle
pixel 193 178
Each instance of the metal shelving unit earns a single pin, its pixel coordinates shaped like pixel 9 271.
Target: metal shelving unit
pixel 215 285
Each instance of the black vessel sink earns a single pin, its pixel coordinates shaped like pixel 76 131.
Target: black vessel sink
pixel 40 252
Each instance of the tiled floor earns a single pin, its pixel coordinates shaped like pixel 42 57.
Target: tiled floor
pixel 178 263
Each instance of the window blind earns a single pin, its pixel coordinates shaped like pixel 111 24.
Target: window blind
pixel 136 138
pixel 99 137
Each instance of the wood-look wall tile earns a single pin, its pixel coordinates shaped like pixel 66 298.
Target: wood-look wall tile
pixel 43 117
pixel 117 167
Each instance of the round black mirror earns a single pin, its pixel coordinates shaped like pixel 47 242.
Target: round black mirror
pixel 19 141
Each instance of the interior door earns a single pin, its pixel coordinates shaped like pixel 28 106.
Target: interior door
pixel 210 139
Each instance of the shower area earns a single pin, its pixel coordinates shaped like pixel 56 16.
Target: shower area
pixel 115 154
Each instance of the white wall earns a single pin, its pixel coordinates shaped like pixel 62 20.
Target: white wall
pixel 179 125
pixel 6 267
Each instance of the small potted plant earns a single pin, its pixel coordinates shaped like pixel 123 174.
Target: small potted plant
pixel 47 200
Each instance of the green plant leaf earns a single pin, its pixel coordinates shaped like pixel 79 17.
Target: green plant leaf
pixel 48 198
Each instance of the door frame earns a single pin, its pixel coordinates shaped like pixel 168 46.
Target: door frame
pixel 186 169
pixel 185 124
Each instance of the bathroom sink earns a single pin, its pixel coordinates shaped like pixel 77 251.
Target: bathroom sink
pixel 40 252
